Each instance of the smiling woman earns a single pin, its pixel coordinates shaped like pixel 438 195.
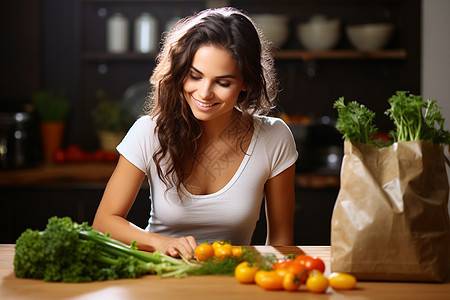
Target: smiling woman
pixel 206 145
pixel 213 85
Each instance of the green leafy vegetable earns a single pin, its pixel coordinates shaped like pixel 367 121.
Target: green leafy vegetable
pixel 355 121
pixel 415 119
pixel 70 252
pixel 226 266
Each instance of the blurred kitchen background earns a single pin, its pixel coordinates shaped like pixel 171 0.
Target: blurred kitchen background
pixel 87 63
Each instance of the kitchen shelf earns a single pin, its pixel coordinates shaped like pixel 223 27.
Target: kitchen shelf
pixel 128 56
pixel 339 54
pixel 280 55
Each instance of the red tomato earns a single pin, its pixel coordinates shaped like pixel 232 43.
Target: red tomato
pixel 59 156
pixel 315 263
pixel 75 153
pixel 311 263
pixel 111 156
pixel 302 258
pixel 99 155
pixel 299 270
pixel 282 263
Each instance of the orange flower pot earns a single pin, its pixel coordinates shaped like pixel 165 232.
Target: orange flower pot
pixel 52 136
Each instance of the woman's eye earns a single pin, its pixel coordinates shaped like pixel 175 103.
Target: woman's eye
pixel 223 84
pixel 192 76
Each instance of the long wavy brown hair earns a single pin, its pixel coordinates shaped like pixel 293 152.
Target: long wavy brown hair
pixel 177 129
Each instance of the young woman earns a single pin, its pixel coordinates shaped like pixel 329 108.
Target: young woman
pixel 208 149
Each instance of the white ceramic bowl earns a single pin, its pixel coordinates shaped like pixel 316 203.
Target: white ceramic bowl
pixel 319 34
pixel 274 26
pixel 369 37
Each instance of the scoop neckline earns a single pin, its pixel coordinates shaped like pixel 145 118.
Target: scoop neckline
pixel 237 174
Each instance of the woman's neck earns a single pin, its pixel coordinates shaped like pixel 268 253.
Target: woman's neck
pixel 213 129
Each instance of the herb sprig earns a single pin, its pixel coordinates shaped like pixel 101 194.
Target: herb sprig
pixel 355 121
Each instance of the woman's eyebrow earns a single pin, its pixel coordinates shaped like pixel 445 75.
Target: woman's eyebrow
pixel 222 76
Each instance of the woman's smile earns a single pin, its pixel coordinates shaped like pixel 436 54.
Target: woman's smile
pixel 204 105
pixel 213 84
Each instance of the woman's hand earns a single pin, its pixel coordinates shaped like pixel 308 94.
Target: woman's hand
pixel 176 246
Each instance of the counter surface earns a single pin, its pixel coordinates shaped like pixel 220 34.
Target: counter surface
pixel 203 287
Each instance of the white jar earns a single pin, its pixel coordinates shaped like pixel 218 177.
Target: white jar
pixel 146 33
pixel 117 33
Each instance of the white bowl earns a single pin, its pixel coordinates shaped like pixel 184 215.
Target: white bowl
pixel 319 33
pixel 369 37
pixel 274 26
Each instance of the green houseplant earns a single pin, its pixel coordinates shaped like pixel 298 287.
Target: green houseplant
pixel 111 120
pixel 52 109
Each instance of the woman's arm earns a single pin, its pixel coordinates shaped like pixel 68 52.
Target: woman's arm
pixel 280 208
pixel 119 196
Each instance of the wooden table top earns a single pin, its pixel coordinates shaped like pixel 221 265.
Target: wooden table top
pixel 203 287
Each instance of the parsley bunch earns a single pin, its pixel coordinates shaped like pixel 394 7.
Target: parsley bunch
pixel 415 119
pixel 355 121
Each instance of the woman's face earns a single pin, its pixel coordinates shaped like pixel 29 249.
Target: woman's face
pixel 213 84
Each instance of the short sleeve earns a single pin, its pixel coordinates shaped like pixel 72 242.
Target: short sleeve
pixel 280 145
pixel 138 143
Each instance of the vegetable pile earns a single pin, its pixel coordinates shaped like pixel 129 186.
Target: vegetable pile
pixel 414 119
pixel 290 273
pixel 70 252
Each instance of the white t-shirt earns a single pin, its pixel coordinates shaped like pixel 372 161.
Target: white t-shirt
pixel 229 214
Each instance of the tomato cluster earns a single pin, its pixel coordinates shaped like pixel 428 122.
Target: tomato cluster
pixel 218 250
pixel 290 273
pixel 74 153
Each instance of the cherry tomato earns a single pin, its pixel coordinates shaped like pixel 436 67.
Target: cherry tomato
pixel 245 272
pixel 342 281
pixel 217 244
pixel 298 270
pixel 311 263
pixel 223 251
pixel 315 263
pixel 291 282
pixel 282 263
pixel 269 280
pixel 111 156
pixel 99 155
pixel 302 258
pixel 74 153
pixel 59 156
pixel 204 251
pixel 236 251
pixel 317 282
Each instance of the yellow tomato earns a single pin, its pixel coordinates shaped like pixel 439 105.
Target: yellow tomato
pixel 291 282
pixel 342 281
pixel 217 244
pixel 317 282
pixel 237 251
pixel 204 251
pixel 269 280
pixel 245 273
pixel 223 251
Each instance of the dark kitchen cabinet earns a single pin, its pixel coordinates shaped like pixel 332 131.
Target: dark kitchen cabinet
pixel 25 207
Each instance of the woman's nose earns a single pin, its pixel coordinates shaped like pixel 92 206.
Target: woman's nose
pixel 206 90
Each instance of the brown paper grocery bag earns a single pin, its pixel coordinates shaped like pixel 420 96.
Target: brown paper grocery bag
pixel 390 221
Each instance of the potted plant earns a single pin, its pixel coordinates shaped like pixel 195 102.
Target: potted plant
pixel 111 119
pixel 52 109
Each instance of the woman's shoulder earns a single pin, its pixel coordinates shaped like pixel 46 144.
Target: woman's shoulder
pixel 271 123
pixel 145 121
